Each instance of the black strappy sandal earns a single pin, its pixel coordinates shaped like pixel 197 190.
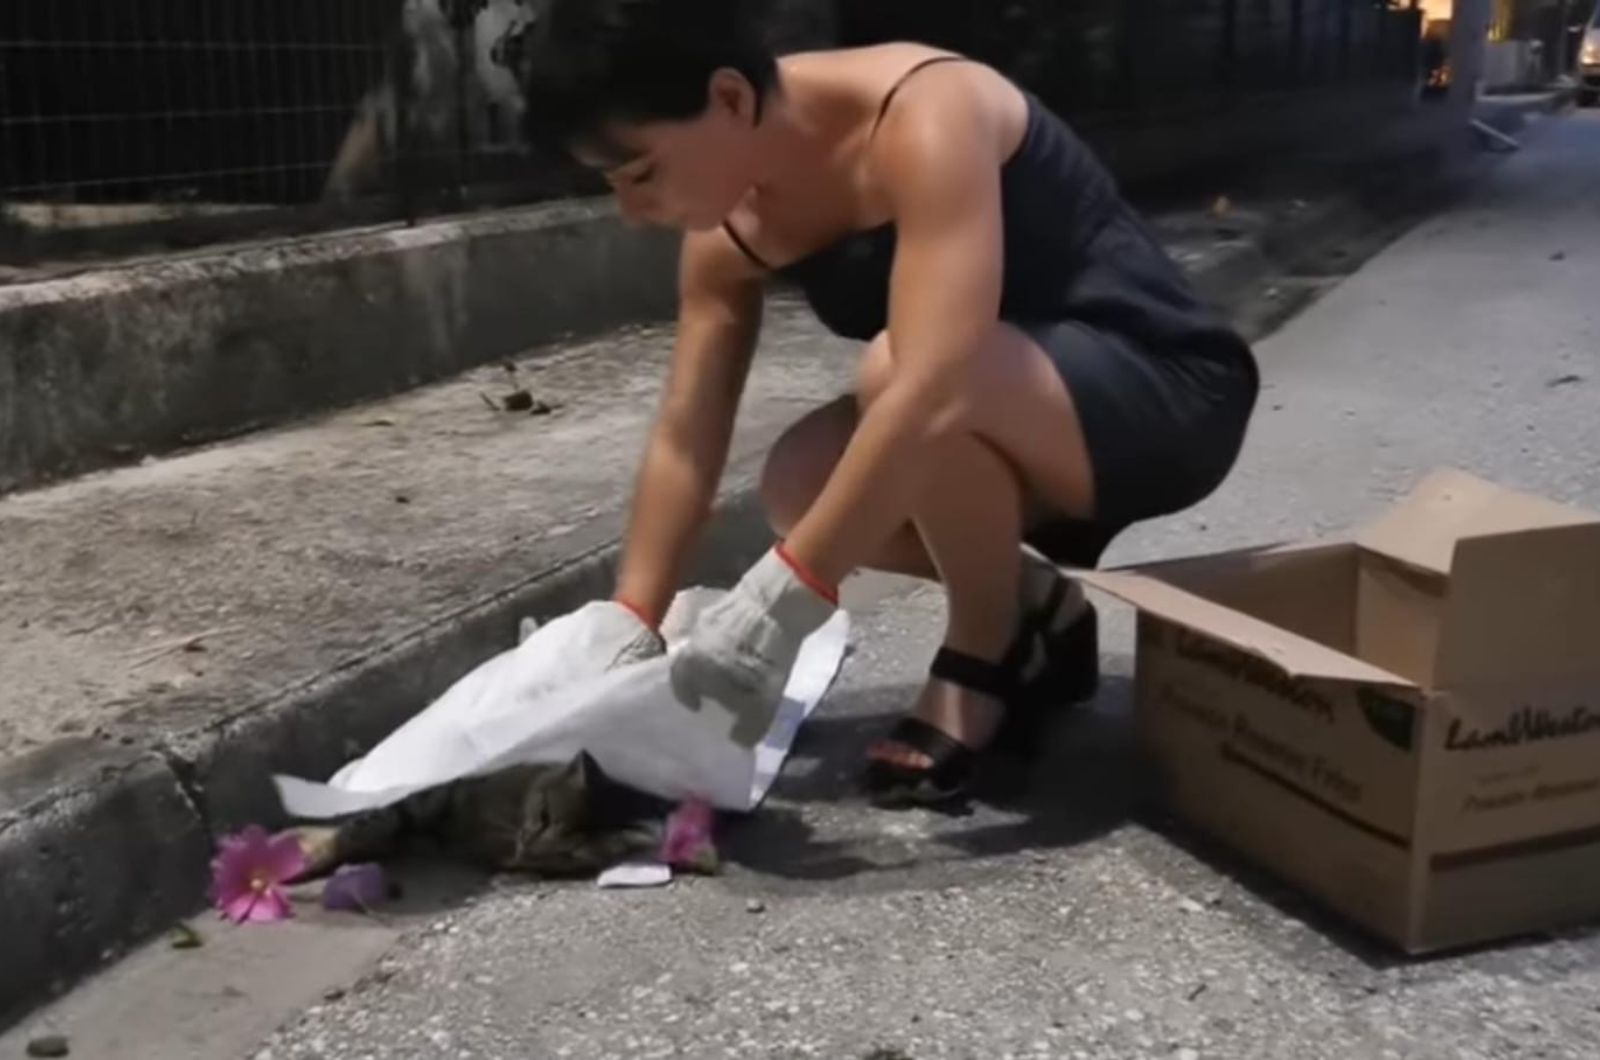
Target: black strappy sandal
pixel 953 763
pixel 1061 667
pixel 1046 670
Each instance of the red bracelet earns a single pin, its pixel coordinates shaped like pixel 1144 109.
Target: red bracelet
pixel 638 612
pixel 807 577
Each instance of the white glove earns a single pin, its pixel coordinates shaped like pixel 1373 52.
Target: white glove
pixel 604 636
pixel 743 647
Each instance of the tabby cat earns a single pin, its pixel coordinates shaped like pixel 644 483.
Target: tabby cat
pixel 546 820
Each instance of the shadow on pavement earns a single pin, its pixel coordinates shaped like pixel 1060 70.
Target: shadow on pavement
pixel 1080 788
pixel 1089 782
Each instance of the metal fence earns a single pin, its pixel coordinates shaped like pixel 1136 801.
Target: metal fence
pixel 155 124
pixel 1134 61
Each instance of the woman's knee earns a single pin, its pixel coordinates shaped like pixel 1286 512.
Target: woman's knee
pixel 800 462
pixel 1015 400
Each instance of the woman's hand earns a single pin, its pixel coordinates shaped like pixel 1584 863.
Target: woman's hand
pixel 616 636
pixel 743 647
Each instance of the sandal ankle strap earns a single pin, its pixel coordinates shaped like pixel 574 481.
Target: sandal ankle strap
pixel 999 680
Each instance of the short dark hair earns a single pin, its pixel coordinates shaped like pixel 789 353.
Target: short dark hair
pixel 589 63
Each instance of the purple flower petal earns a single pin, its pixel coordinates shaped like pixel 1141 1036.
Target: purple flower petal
pixel 247 874
pixel 285 858
pixel 688 839
pixel 238 907
pixel 272 906
pixel 231 867
pixel 356 888
pixel 249 837
pixel 228 877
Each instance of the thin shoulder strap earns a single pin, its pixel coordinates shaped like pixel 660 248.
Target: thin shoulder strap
pixel 738 241
pixel 894 89
pixel 883 110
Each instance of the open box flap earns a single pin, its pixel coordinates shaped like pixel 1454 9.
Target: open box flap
pixel 1295 655
pixel 1450 506
pixel 1184 569
pixel 1522 606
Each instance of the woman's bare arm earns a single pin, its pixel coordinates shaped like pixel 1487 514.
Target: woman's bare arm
pixel 937 162
pixel 719 321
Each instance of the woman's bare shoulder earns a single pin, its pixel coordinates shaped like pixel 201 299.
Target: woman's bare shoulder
pixel 867 63
pixel 901 70
pixel 965 105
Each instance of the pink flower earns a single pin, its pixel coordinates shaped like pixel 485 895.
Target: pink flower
pixel 688 843
pixel 248 874
pixel 355 888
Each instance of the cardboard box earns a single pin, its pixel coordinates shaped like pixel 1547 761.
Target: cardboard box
pixel 1406 724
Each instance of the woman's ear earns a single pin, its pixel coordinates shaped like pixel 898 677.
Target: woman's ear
pixel 732 94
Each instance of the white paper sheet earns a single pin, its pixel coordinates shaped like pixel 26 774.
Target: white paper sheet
pixel 519 708
pixel 632 875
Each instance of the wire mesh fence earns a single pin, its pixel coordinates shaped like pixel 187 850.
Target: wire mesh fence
pixel 1132 61
pixel 158 124
pixel 175 122
pixel 162 101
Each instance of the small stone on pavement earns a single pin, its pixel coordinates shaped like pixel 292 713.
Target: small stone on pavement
pixel 49 1045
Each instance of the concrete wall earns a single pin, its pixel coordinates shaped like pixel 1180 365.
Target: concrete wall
pixel 110 365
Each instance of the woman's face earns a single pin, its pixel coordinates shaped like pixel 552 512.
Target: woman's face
pixel 687 175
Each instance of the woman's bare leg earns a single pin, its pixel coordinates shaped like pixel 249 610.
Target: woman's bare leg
pixel 967 528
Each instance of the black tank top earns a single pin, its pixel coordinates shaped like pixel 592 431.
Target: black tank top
pixel 1074 250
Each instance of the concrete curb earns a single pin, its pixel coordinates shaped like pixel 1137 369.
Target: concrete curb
pixel 100 847
pixel 104 367
pixel 1550 101
pixel 1509 114
pixel 92 840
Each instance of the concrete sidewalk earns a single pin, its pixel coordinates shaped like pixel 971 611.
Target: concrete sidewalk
pixel 177 631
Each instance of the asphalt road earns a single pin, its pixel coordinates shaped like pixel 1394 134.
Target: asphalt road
pixel 1072 922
